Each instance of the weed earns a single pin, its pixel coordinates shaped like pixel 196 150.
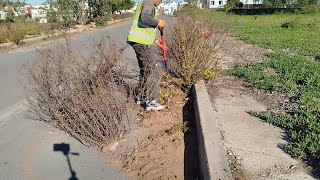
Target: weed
pixel 178 128
pixel 17 32
pixel 141 176
pixel 16 36
pixel 164 97
pixel 208 74
pixel 290 24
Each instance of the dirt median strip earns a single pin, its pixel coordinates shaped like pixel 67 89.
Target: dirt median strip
pixel 212 155
pixel 57 34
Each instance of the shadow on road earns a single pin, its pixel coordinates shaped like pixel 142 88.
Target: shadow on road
pixel 65 149
pixel 191 160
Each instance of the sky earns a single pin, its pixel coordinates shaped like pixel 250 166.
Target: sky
pixel 35 2
pixel 39 2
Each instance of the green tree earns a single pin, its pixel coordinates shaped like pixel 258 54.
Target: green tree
pixel 275 3
pixel 1 4
pixel 72 11
pixel 4 3
pixel 10 15
pixel 287 3
pixel 17 4
pixel 124 5
pixel 64 11
pixel 232 4
pixel 303 3
pixel 52 14
pixel 128 4
pixel 21 18
pixel 99 8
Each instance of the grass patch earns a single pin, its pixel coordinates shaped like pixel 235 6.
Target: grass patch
pixel 18 31
pixel 298 33
pixel 292 68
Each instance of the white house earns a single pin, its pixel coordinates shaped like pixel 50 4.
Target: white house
pixel 216 3
pixel 199 5
pixel 221 3
pixel 39 12
pixel 3 15
pixel 168 7
pixel 250 2
pixel 182 4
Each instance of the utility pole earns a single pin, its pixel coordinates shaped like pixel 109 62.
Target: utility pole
pixel 82 12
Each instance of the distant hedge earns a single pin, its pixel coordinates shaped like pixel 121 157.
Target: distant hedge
pixel 262 11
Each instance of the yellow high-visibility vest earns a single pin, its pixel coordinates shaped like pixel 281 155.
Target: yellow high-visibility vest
pixel 140 32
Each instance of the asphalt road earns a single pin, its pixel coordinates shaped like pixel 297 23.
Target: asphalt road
pixel 27 146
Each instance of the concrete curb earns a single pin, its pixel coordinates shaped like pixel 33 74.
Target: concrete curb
pixel 212 156
pixel 118 20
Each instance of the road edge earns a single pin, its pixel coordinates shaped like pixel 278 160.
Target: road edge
pixel 13 109
pixel 55 35
pixel 212 156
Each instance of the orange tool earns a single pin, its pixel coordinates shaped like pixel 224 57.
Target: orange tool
pixel 164 51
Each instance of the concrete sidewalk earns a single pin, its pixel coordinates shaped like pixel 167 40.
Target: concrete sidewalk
pixel 253 145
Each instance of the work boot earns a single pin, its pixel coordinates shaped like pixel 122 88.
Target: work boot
pixel 154 106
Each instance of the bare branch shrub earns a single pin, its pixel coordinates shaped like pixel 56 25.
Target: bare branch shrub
pixel 82 96
pixel 192 48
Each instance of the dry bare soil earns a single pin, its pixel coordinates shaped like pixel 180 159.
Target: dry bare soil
pixel 156 148
pixel 162 145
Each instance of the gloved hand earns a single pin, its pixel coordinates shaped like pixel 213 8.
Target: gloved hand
pixel 161 46
pixel 161 23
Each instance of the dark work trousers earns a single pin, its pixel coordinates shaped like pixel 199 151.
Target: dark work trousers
pixel 150 72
